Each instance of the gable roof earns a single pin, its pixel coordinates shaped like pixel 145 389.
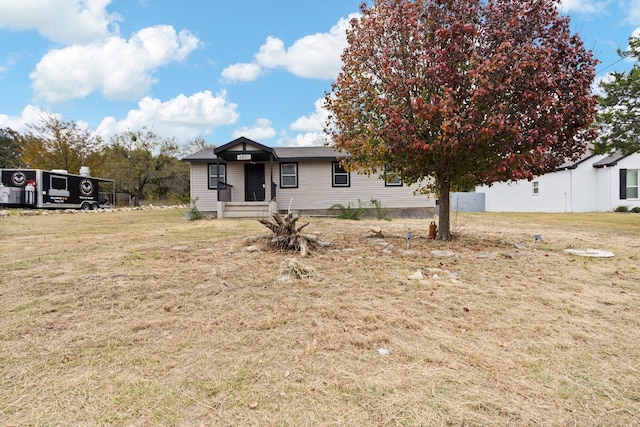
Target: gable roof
pixel 571 164
pixel 611 160
pixel 225 152
pixel 258 151
pixel 308 153
pixel 205 155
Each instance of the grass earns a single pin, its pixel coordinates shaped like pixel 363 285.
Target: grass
pixel 349 212
pixel 145 318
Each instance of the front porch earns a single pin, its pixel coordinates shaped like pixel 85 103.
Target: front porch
pixel 245 187
pixel 255 210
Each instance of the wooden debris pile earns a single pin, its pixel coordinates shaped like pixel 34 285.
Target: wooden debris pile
pixel 296 269
pixel 287 236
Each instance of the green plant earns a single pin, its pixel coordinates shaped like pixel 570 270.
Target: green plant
pixel 636 209
pixel 193 213
pixel 379 209
pixel 622 209
pixel 349 212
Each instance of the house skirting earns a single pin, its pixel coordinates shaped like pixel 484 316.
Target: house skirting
pixel 397 213
pixel 393 213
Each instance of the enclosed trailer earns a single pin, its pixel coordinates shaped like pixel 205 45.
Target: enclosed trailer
pixel 56 189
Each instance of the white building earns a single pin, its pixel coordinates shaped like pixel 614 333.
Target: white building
pixel 596 183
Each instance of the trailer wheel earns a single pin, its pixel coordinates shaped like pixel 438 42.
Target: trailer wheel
pixel 85 207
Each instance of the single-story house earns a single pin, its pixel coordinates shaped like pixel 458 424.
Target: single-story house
pixel 244 178
pixel 595 183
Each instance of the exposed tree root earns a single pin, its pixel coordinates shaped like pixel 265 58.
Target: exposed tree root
pixel 288 237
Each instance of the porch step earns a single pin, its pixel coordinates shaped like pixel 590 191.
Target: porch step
pixel 246 210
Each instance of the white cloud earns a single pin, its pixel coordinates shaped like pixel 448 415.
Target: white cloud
pixel 31 114
pixel 317 56
pixel 629 59
pixel 633 7
pixel 585 6
pixel 595 87
pixel 314 122
pixel 181 117
pixel 260 131
pixel 241 72
pixel 309 139
pixel 120 69
pixel 62 21
pixel 272 53
pixel 11 60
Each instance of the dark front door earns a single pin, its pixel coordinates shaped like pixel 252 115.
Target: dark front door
pixel 254 182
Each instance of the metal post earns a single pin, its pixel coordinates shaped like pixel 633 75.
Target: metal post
pixel 217 178
pixel 272 187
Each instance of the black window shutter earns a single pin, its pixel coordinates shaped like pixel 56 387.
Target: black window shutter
pixel 623 184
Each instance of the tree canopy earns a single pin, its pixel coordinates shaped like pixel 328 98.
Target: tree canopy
pixel 140 159
pixel 10 148
pixel 453 93
pixel 619 111
pixel 57 144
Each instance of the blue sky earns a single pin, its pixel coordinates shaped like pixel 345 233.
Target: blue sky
pixel 212 68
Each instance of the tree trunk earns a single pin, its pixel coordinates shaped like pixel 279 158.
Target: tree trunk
pixel 444 217
pixel 138 197
pixel 142 182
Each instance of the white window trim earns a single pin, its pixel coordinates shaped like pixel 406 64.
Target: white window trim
pixel 636 186
pixel 535 188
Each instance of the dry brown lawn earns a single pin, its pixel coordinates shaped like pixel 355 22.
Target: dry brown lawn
pixel 144 318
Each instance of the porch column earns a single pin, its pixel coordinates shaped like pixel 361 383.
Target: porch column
pixel 272 187
pixel 217 180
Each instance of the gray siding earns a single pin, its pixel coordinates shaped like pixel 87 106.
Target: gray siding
pixel 207 199
pixel 314 192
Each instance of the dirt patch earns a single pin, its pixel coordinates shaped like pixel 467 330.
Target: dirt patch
pixel 143 318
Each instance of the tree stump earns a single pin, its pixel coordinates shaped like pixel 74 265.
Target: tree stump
pixel 289 237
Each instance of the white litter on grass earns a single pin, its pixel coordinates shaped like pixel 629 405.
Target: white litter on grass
pixel 418 275
pixel 434 274
pixel 383 352
pixel 593 253
pixel 443 253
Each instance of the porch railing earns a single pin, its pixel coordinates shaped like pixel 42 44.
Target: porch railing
pixel 224 192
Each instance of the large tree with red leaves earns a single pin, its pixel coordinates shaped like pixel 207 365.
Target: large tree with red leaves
pixel 454 92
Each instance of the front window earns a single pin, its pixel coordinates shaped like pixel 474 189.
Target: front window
pixel 217 173
pixel 341 177
pixel 289 175
pixel 392 178
pixel 632 183
pixel 536 188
